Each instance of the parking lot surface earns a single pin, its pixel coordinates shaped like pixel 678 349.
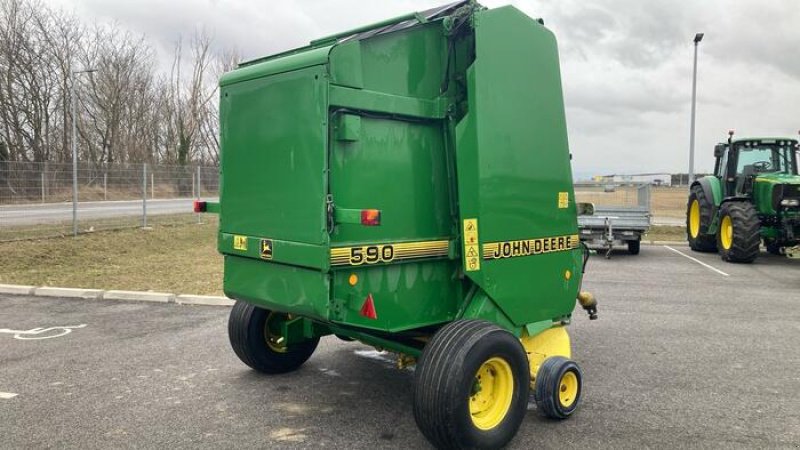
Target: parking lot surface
pixel 684 355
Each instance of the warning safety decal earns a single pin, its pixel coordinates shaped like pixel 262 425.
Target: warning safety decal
pixel 384 253
pixel 472 259
pixel 528 247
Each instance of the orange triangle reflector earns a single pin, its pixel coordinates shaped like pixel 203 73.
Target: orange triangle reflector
pixel 368 308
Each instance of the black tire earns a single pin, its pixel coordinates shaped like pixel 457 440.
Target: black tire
pixel 703 242
pixel 633 247
pixel 248 335
pixel 553 398
pixel 447 383
pixel 773 247
pixel 746 239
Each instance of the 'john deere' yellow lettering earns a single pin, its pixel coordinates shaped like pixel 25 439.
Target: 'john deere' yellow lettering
pixel 528 247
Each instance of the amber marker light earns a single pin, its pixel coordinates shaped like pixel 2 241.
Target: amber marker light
pixel 370 217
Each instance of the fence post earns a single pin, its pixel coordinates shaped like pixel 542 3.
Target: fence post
pixel 42 186
pixel 152 185
pixel 199 184
pixel 105 185
pixel 144 195
pixel 199 216
pixel 74 194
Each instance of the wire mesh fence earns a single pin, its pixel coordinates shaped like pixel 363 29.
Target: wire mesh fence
pixel 36 199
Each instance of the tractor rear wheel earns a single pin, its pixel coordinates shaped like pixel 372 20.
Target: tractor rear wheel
pixel 738 238
pixel 699 213
pixel 255 337
pixel 471 386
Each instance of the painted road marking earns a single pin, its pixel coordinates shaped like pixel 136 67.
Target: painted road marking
pixel 7 395
pixel 697 261
pixel 42 333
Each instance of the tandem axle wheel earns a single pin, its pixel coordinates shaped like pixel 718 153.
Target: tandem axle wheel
pixel 473 382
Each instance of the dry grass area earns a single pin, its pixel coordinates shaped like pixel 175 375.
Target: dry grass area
pixel 665 233
pixel 170 258
pixel 664 202
pixel 669 201
pixel 64 228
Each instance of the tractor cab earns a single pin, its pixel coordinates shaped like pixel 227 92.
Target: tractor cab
pixel 739 162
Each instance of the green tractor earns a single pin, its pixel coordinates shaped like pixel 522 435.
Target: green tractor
pixel 754 195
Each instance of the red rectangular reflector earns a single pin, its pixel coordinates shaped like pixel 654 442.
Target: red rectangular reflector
pixel 370 217
pixel 199 206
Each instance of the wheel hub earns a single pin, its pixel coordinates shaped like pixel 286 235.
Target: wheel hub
pixel 568 389
pixel 493 390
pixel 726 233
pixel 694 219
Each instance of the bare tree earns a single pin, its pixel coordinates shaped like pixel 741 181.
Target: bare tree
pixel 128 110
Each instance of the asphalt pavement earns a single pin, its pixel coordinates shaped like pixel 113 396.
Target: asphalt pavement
pixel 42 213
pixel 685 354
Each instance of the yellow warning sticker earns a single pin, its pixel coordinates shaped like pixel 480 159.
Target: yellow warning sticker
pixel 266 249
pixel 563 200
pixel 472 256
pixel 240 243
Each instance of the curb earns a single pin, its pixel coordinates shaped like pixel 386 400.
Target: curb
pixel 158 297
pixel 99 294
pixel 208 300
pixel 17 289
pixel 673 243
pixel 86 294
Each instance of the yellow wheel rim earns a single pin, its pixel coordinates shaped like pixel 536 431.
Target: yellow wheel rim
pixel 694 219
pixel 568 389
pixel 726 233
pixel 492 392
pixel 272 335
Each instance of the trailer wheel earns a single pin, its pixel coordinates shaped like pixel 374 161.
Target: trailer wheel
pixel 699 213
pixel 471 386
pixel 634 246
pixel 738 237
pixel 255 339
pixel 559 383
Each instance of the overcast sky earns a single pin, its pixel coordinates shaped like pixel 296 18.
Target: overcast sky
pixel 626 64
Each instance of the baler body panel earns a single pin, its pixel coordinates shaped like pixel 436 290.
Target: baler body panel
pixel 274 132
pixel 514 174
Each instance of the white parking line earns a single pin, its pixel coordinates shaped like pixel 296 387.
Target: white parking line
pixel 697 261
pixel 7 395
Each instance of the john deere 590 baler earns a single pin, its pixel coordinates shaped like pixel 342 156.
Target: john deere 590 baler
pixel 407 185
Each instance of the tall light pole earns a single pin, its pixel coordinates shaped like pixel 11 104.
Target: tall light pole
pixel 74 96
pixel 697 38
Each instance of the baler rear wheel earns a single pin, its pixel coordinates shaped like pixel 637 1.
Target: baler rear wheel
pixel 253 335
pixel 634 247
pixel 738 238
pixel 471 386
pixel 559 384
